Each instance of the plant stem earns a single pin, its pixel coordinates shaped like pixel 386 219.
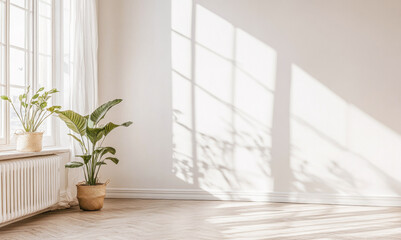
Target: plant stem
pixel 101 144
pixel 83 169
pixel 20 111
pixel 98 169
pixel 27 110
pixel 87 173
pixel 83 145
pixel 17 115
pixel 33 118
pixel 40 122
pixel 93 167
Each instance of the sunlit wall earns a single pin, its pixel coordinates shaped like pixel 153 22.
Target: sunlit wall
pixel 336 147
pixel 223 92
pixel 245 98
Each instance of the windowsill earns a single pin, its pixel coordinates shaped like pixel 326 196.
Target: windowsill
pixel 7 155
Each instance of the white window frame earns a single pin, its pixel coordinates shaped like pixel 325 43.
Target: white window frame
pixel 6 143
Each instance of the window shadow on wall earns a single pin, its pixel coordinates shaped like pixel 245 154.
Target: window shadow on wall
pixel 220 75
pixel 248 120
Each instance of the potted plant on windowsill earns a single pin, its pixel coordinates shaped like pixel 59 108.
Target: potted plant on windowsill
pixel 90 135
pixel 32 111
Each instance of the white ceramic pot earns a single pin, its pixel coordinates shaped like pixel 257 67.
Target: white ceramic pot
pixel 29 141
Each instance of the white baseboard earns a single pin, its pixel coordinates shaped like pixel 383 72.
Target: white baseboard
pixel 318 198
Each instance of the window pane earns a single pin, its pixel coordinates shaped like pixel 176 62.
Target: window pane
pixel 2 22
pixel 20 66
pixel 17 67
pixel 17 26
pixel 15 123
pixel 2 116
pixel 45 61
pixel 46 127
pixel 45 36
pixel 30 32
pixel 2 64
pixel 45 9
pixel 30 70
pixel 21 3
pixel 45 72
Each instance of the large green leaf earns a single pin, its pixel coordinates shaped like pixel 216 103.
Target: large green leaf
pixel 101 111
pixel 90 123
pixel 76 138
pixel 86 158
pixel 113 159
pixel 110 126
pixel 94 134
pixel 101 151
pixel 74 121
pixel 73 164
pixel 53 108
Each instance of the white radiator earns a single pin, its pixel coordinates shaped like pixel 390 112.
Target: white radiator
pixel 28 185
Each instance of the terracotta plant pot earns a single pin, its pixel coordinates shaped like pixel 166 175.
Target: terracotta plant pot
pixel 29 141
pixel 91 197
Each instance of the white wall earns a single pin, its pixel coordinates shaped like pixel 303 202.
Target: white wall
pixel 282 100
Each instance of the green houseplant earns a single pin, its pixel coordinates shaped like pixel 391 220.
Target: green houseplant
pixel 32 110
pixel 90 134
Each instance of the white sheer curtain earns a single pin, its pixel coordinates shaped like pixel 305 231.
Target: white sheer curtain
pixel 77 67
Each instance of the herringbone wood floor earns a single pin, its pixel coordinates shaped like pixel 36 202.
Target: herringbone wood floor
pixel 177 219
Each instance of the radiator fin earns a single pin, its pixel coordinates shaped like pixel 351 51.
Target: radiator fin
pixel 28 185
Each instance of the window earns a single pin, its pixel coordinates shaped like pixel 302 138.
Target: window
pixel 26 58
